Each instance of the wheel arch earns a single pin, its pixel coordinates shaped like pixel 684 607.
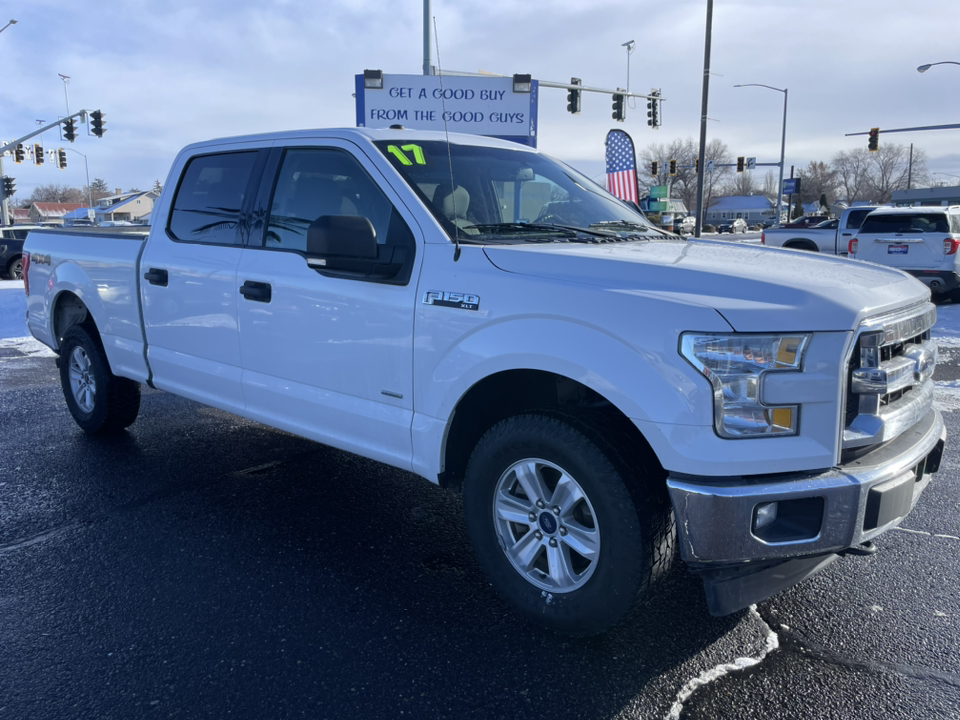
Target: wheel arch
pixel 513 392
pixel 801 244
pixel 69 310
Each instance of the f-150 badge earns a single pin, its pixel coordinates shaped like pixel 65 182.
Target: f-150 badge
pixel 464 301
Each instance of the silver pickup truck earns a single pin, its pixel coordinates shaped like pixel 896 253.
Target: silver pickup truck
pixel 826 237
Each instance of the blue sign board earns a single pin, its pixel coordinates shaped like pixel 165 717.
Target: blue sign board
pixel 791 186
pixel 451 103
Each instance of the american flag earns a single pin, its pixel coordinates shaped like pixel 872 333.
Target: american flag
pixel 621 166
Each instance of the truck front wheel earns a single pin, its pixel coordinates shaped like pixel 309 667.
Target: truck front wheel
pixel 555 526
pixel 99 401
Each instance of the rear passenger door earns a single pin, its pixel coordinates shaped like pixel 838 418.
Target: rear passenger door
pixel 189 278
pixel 328 355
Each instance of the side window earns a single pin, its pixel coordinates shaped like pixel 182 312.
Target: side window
pixel 207 206
pixel 313 182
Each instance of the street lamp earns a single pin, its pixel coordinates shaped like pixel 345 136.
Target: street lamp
pixel 629 45
pixel 924 68
pixel 87 169
pixel 66 80
pixel 783 141
pixel 12 22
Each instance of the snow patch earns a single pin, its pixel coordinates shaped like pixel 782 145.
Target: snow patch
pixel 27 346
pixel 946 395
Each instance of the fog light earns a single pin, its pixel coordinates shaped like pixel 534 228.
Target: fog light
pixel 764 514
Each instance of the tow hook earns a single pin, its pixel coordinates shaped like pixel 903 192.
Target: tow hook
pixel 867 548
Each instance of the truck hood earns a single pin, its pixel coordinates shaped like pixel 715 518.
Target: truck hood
pixel 756 289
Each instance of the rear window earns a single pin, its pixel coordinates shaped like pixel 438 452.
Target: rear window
pixel 908 223
pixel 208 202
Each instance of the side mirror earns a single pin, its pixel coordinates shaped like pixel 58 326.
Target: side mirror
pixel 340 237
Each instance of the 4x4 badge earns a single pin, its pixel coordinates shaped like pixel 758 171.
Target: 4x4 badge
pixel 463 301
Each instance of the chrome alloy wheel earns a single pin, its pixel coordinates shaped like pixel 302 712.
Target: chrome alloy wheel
pixel 82 383
pixel 546 525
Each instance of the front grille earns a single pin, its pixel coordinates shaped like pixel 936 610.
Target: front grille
pixel 889 385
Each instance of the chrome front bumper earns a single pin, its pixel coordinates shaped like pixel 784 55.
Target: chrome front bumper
pixel 831 511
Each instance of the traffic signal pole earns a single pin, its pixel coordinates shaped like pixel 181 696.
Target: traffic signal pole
pixel 81 115
pixel 5 205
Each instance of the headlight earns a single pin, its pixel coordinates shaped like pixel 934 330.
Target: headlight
pixel 735 366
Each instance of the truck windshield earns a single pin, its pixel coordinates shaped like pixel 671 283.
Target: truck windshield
pixel 492 194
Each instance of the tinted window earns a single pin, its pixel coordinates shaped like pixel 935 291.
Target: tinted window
pixel 855 218
pixel 906 223
pixel 313 182
pixel 209 198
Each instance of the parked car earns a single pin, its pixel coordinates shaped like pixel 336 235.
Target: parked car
pixel 922 241
pixel 733 226
pixel 11 249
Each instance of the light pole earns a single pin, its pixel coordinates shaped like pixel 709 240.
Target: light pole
pixel 5 202
pixel 66 80
pixel 924 68
pixel 783 141
pixel 629 45
pixel 87 169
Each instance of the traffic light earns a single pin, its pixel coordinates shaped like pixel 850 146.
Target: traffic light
pixel 9 189
pixel 97 123
pixel 20 153
pixel 696 166
pixel 740 163
pixel 619 113
pixel 62 159
pixel 70 130
pixel 873 140
pixel 653 109
pixel 38 153
pixel 573 97
pixel 673 167
pixel 654 168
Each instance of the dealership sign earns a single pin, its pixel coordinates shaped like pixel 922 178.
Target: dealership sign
pixel 452 103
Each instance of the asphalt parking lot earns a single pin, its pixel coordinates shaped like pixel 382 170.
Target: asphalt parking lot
pixel 205 566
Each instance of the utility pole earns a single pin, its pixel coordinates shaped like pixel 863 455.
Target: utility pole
pixel 703 118
pixel 427 65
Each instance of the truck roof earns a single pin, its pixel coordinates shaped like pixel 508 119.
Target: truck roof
pixel 365 134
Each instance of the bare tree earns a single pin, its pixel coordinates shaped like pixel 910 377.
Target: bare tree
pixel 684 183
pixel 741 183
pixel 819 179
pixel 853 174
pixel 55 193
pixel 770 185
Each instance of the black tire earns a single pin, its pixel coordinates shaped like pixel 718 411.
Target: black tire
pixel 954 296
pixel 627 513
pixel 99 401
pixel 15 268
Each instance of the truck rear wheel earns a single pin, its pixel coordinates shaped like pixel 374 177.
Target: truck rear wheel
pixel 557 529
pixel 99 401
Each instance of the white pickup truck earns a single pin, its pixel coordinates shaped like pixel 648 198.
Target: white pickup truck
pixel 486 317
pixel 829 237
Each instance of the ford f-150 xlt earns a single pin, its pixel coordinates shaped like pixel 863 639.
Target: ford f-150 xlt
pixel 486 317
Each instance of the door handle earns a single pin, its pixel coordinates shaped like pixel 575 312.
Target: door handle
pixel 256 291
pixel 156 276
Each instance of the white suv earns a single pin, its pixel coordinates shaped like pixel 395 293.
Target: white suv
pixel 922 241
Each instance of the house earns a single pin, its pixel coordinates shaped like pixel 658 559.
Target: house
pixel 51 213
pixel 132 207
pixel 752 208
pixel 19 216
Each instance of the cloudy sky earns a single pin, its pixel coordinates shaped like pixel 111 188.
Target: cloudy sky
pixel 173 72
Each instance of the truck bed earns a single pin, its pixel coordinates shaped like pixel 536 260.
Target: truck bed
pixel 73 261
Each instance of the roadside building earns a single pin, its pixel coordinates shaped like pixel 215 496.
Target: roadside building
pixel 51 213
pixel 752 208
pixel 944 195
pixel 130 207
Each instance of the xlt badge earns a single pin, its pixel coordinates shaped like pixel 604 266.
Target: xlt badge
pixel 464 301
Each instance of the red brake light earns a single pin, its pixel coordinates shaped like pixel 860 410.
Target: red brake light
pixel 852 247
pixel 950 245
pixel 26 273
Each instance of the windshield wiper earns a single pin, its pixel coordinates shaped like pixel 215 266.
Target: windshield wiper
pixel 507 228
pixel 621 224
